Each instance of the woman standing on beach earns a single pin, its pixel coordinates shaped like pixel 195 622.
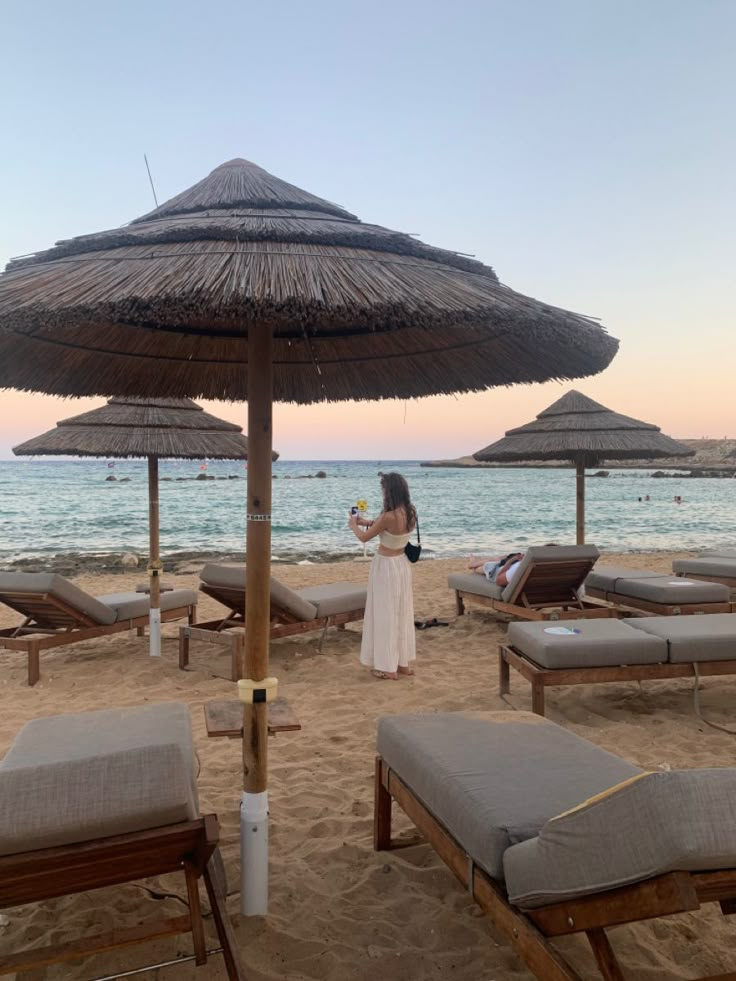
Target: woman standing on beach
pixel 388 646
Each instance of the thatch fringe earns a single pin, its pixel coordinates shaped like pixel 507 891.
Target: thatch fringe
pixel 117 441
pixel 337 289
pixel 414 363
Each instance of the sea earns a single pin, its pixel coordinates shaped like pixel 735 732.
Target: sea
pixel 50 507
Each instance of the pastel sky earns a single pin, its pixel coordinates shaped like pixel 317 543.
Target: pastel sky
pixel 583 149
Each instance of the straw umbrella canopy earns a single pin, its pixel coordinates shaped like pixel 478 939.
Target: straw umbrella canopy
pixel 247 287
pixel 577 429
pixel 154 429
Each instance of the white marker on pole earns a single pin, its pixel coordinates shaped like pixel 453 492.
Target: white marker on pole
pixel 254 854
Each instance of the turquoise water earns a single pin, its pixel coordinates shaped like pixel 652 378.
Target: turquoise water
pixel 49 507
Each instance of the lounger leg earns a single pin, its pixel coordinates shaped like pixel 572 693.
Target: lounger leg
pixel 34 663
pixel 504 680
pixel 216 883
pixel 459 605
pixel 140 631
pixel 341 626
pixel 381 811
pixel 537 697
pixel 192 615
pixel 604 955
pixel 183 648
pixel 195 914
pixel 238 658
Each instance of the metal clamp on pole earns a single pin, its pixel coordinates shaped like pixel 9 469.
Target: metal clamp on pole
pixel 154 568
pixel 253 692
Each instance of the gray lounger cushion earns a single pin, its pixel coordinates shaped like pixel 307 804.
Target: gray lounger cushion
pixel 689 639
pixel 549 553
pixel 594 644
pixel 71 778
pixel 471 582
pixel 682 820
pixel 62 589
pixel 671 590
pixel 494 784
pixel 129 606
pixel 605 577
pixel 720 567
pixel 230 576
pixel 233 577
pixel 336 597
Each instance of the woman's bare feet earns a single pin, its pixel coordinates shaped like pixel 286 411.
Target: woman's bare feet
pixel 385 675
pixel 406 671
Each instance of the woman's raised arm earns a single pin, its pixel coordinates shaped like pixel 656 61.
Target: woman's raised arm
pixel 365 535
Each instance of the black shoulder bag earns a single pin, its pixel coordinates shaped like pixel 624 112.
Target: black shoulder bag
pixel 413 551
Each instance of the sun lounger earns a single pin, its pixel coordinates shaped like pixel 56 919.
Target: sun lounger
pixel 103 798
pixel 651 593
pixel 546 585
pixel 314 608
pixel 58 613
pixel 553 836
pixel 633 649
pixel 711 566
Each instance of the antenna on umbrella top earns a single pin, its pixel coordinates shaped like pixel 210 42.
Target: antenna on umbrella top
pixel 153 189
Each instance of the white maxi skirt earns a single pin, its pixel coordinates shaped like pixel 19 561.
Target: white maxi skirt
pixel 388 641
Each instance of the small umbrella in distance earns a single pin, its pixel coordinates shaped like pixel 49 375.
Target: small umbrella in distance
pixel 577 429
pixel 153 429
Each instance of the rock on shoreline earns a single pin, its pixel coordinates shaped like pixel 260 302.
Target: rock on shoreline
pixel 72 564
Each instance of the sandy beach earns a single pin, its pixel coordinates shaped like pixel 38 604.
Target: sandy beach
pixel 338 910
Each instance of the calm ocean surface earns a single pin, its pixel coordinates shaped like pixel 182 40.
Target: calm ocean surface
pixel 49 507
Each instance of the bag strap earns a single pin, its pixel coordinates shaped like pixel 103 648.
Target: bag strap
pixel 419 540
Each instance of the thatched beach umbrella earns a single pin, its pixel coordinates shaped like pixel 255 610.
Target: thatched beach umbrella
pixel 153 429
pixel 246 287
pixel 577 429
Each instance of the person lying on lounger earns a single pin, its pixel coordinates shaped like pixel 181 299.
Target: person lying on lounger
pixel 497 569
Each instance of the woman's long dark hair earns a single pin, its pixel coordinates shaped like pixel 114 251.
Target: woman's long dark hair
pixel 396 497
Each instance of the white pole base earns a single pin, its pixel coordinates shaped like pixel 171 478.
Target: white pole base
pixel 254 854
pixel 155 633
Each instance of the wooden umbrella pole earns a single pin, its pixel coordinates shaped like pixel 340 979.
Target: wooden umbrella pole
pixel 580 501
pixel 154 559
pixel 254 804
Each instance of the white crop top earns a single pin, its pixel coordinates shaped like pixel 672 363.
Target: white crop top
pixel 389 540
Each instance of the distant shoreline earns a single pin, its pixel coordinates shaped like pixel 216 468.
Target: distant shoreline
pixel 711 457
pixel 468 463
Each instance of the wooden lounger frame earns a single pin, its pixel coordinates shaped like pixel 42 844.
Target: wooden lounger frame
pixel 189 847
pixel 283 624
pixel 648 608
pixel 729 581
pixel 543 592
pixel 540 677
pixel 529 932
pixel 50 622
